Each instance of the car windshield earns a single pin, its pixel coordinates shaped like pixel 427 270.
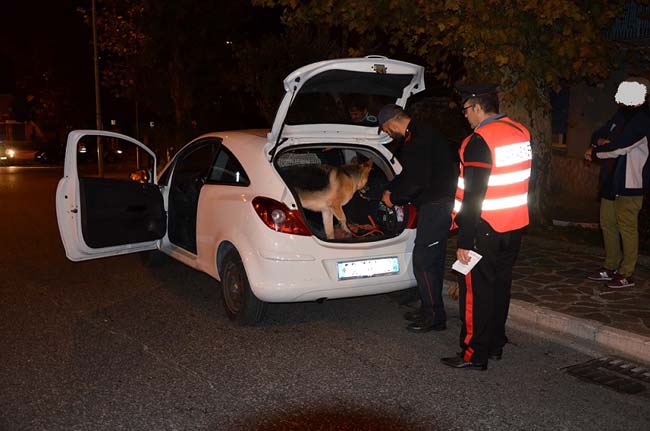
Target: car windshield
pixel 345 97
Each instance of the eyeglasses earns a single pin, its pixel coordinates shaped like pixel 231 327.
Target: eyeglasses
pixel 465 108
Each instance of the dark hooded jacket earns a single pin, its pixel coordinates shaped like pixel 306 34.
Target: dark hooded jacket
pixel 624 168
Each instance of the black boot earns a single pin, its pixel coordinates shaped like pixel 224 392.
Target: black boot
pixel 426 324
pixel 458 362
pixel 413 315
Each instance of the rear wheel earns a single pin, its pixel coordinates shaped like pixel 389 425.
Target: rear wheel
pixel 241 304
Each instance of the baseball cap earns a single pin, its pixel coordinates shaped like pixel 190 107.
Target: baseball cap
pixel 387 113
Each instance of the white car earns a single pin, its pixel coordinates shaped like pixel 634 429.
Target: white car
pixel 226 203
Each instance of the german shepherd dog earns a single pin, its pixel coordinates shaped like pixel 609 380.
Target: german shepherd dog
pixel 340 185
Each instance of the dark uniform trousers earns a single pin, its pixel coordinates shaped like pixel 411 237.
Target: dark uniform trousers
pixel 429 255
pixel 485 293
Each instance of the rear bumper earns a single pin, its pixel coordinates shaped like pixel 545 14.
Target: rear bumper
pixel 313 274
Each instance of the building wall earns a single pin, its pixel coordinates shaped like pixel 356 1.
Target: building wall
pixel 570 176
pixel 5 105
pixel 589 108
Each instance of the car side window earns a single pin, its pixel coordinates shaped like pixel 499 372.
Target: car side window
pixel 194 162
pixel 227 170
pixel 120 159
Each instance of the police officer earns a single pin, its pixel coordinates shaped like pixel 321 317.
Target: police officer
pixel 491 208
pixel 428 180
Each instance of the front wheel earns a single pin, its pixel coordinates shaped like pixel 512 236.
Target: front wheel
pixel 241 304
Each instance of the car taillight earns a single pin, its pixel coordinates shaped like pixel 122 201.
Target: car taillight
pixel 278 217
pixel 412 218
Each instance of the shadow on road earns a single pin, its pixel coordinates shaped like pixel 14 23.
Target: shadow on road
pixel 331 418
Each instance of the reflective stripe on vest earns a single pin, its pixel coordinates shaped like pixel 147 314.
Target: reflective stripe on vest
pixel 512 154
pixel 502 179
pixel 505 206
pixel 499 204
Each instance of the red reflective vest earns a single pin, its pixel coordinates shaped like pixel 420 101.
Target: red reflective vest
pixel 505 206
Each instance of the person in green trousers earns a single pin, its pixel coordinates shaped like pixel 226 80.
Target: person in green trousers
pixel 622 145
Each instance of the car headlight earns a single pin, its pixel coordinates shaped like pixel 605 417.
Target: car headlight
pixel 11 153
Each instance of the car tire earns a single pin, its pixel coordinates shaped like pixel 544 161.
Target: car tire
pixel 241 304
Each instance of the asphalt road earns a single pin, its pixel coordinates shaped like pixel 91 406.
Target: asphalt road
pixel 113 345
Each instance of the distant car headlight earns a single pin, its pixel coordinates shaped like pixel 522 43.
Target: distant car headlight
pixel 11 153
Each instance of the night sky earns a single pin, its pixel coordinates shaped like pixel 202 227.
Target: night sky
pixel 46 45
pixel 42 36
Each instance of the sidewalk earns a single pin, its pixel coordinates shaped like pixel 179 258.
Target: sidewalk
pixel 550 292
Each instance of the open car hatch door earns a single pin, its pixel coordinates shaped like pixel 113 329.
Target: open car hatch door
pixel 320 96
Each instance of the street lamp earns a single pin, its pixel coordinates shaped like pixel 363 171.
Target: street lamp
pixel 98 108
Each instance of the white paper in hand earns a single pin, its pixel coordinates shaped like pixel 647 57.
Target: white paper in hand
pixel 474 257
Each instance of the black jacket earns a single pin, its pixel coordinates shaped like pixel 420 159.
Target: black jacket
pixel 429 167
pixel 624 168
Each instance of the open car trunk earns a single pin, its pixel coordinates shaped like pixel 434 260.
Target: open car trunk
pixel 307 172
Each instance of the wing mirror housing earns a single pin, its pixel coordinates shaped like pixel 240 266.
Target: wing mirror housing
pixel 141 176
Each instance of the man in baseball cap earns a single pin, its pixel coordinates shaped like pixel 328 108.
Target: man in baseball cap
pixel 428 180
pixel 388 113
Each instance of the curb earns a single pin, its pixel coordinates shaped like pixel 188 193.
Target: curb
pixel 598 335
pixel 626 343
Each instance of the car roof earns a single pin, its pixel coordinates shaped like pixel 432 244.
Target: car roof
pixel 246 145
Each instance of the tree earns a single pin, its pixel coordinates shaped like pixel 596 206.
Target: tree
pixel 127 66
pixel 173 57
pixel 529 47
pixel 260 72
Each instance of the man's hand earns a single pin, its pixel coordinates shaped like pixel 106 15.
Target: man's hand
pixel 463 256
pixel 588 155
pixel 602 141
pixel 385 198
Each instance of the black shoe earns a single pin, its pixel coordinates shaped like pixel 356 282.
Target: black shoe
pixel 459 362
pixel 496 354
pixel 426 325
pixel 413 315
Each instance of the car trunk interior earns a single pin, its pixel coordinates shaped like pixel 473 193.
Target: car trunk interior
pixel 306 170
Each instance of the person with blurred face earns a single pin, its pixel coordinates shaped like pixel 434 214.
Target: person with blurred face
pixel 622 146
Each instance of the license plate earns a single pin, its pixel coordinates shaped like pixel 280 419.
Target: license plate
pixel 367 268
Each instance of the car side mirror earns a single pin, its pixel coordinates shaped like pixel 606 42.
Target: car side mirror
pixel 140 176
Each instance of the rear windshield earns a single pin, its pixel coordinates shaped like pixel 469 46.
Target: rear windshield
pixel 345 97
